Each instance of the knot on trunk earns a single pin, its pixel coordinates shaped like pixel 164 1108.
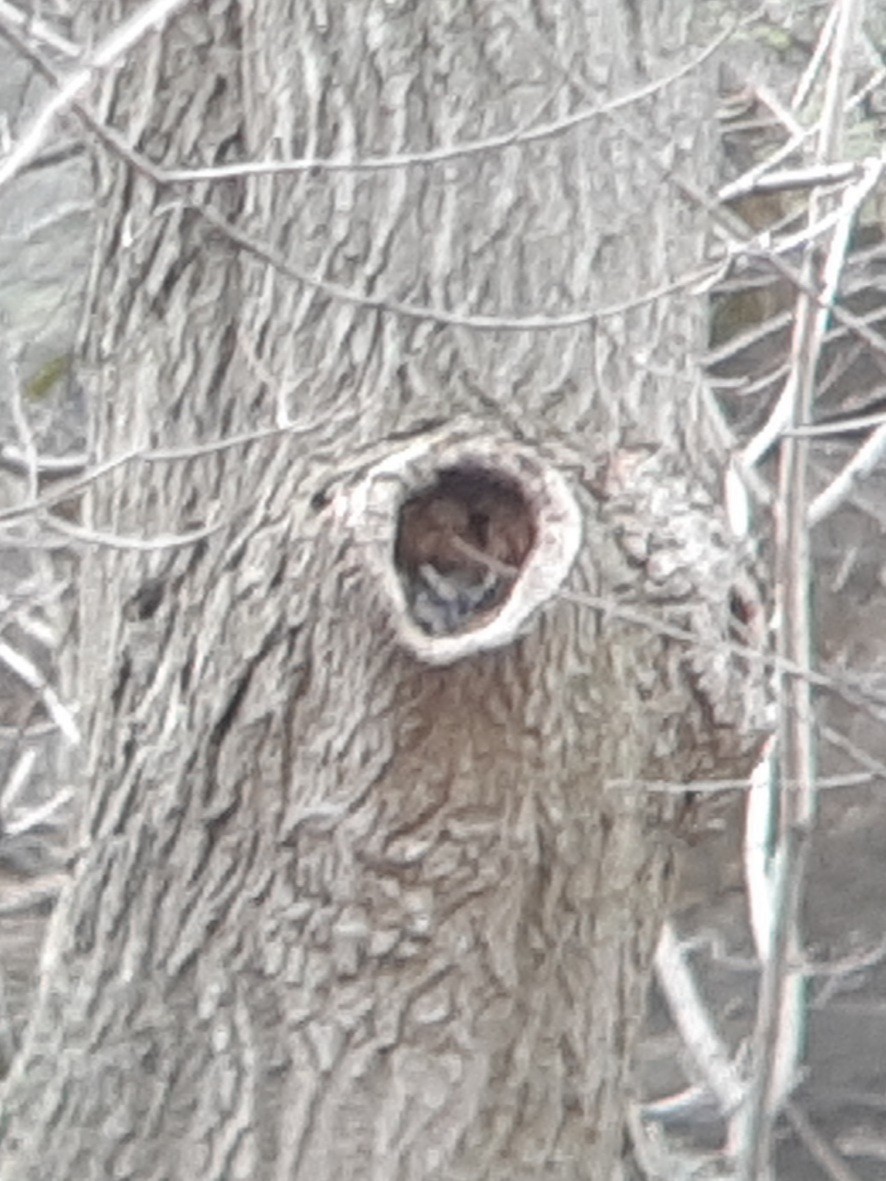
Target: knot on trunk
pixel 683 566
pixel 467 535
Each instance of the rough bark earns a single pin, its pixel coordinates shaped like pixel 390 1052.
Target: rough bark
pixel 343 910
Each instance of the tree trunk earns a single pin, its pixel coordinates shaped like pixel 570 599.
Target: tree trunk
pixel 366 892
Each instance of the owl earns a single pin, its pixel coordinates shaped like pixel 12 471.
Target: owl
pixel 460 554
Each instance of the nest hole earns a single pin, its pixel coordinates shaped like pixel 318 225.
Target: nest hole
pixel 461 544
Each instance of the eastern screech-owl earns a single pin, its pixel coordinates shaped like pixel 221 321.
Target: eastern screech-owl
pixel 460 554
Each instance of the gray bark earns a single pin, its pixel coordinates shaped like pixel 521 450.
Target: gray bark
pixel 343 909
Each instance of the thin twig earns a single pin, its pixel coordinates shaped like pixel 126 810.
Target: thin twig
pixel 150 16
pixel 153 455
pixel 817 312
pixel 826 1158
pixel 15 783
pixel 268 254
pixel 748 179
pixel 160 541
pixel 27 671
pixel 442 155
pixel 792 179
pixel 20 420
pixel 40 815
pixel 862 463
pixel 807 80
pixel 780 1008
pixel 54 467
pixel 39 29
pixel 709 1053
pixel 701 787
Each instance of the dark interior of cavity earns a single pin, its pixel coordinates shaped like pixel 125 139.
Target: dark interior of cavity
pixel 461 543
pixel 468 515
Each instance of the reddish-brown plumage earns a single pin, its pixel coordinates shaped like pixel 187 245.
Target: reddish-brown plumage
pixel 490 532
pixel 430 530
pixel 509 532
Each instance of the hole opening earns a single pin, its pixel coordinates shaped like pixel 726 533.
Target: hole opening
pixel 461 544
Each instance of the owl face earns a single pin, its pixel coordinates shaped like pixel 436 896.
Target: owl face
pixel 460 547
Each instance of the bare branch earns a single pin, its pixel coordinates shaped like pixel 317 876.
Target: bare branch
pixel 793 179
pixel 749 179
pixel 39 816
pixel 143 544
pixel 825 38
pixel 39 29
pixel 150 16
pixel 708 1051
pixel 862 464
pixel 703 787
pixel 442 155
pixel 832 1165
pixel 781 1008
pixel 28 672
